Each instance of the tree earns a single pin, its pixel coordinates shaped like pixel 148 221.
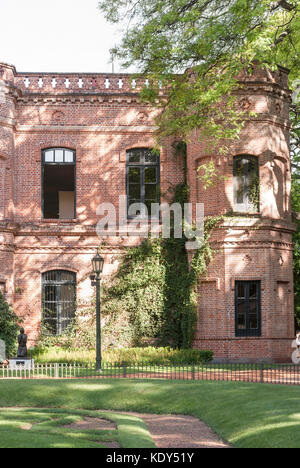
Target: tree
pixel 9 327
pixel 217 39
pixel 197 49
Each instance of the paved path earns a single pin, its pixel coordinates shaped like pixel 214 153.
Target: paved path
pixel 179 431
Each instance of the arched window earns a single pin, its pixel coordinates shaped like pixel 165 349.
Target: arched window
pixel 59 300
pixel 58 177
pixel 143 177
pixel 246 184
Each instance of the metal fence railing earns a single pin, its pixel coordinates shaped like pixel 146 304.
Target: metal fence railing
pixel 288 374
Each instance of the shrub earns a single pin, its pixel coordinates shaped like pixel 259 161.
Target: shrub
pixel 158 356
pixel 9 327
pixel 149 355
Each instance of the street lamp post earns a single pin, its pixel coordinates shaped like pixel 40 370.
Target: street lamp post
pixel 98 263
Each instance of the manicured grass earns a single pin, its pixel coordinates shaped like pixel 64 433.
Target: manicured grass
pixel 247 415
pixel 45 428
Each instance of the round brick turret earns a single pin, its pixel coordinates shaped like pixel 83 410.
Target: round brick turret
pixel 253 245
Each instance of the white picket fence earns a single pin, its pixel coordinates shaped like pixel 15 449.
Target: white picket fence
pixel 47 371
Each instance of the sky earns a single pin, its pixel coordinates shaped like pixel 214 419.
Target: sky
pixel 56 36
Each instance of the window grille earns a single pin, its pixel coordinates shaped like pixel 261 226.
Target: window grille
pixel 59 301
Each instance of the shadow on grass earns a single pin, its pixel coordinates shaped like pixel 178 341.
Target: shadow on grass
pixel 46 428
pixel 239 412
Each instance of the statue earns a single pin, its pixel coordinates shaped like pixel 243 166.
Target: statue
pixel 298 343
pixel 296 353
pixel 22 341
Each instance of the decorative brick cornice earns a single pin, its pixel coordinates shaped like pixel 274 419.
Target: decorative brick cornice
pixel 260 87
pixel 219 245
pixel 10 89
pixel 90 99
pixel 41 230
pixel 55 249
pixel 9 227
pixel 7 248
pixel 88 128
pixel 255 223
pixel 261 244
pixel 241 338
pixel 273 120
pixel 76 230
pixel 7 122
pixel 112 249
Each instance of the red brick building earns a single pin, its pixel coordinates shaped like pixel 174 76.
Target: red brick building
pixel 69 142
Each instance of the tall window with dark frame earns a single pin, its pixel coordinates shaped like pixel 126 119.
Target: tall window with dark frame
pixel 59 301
pixel 58 179
pixel 246 184
pixel 248 308
pixel 143 179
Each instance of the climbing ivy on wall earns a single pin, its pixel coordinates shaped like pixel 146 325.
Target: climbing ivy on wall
pixel 254 193
pixel 154 292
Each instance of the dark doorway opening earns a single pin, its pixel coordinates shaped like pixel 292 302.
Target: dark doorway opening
pixel 59 191
pixel 59 184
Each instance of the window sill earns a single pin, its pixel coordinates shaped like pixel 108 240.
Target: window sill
pixel 248 335
pixel 59 221
pixel 248 214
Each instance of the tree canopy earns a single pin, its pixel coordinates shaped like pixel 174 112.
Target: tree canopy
pixel 215 38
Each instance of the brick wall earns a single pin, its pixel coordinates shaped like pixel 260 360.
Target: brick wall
pixel 100 117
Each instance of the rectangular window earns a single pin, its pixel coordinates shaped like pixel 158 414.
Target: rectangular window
pixel 143 178
pixel 248 308
pixel 246 184
pixel 58 177
pixel 59 301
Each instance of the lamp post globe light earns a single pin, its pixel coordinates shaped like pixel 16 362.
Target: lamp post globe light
pixel 98 263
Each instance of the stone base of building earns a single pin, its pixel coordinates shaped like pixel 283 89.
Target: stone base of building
pixel 248 350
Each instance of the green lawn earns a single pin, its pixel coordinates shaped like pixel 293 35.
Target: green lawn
pixel 247 415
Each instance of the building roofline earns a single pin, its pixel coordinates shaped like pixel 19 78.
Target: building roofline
pixel 9 65
pixel 21 73
pixel 26 73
